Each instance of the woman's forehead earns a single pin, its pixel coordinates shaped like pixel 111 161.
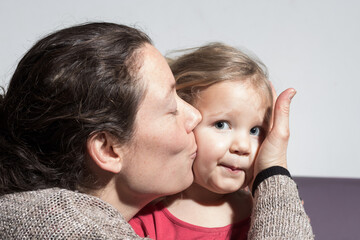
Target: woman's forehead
pixel 156 77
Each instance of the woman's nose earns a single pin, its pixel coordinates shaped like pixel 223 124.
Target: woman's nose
pixel 240 145
pixel 192 117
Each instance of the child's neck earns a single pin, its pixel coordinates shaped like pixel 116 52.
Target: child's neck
pixel 201 207
pixel 203 196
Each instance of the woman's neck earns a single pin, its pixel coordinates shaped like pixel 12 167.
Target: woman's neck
pixel 126 202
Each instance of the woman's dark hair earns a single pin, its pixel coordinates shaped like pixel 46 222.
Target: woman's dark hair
pixel 70 85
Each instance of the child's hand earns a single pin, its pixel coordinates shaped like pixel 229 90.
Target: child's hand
pixel 273 150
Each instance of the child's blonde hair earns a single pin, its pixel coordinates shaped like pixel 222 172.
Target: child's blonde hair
pixel 202 67
pixel 216 62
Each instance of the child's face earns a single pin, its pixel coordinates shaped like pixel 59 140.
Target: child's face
pixel 228 137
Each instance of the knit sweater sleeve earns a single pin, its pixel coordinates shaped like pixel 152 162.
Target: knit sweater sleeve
pixel 278 212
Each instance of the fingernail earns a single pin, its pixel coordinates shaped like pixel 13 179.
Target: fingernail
pixel 292 94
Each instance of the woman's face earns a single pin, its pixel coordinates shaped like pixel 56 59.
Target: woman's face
pixel 161 153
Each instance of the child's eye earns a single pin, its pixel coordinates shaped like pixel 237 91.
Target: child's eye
pixel 256 131
pixel 222 125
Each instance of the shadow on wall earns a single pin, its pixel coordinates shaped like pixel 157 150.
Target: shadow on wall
pixel 333 205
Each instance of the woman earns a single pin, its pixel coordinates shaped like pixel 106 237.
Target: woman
pixel 92 130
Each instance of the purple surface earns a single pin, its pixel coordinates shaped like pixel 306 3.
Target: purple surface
pixel 333 205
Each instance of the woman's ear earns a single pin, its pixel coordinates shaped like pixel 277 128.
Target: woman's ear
pixel 105 151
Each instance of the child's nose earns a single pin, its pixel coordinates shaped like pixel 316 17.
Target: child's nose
pixel 240 145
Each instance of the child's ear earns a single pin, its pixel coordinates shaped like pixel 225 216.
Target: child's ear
pixel 105 151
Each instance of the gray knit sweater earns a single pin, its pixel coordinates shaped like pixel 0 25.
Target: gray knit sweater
pixel 62 214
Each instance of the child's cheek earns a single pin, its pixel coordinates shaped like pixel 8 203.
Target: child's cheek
pixel 211 142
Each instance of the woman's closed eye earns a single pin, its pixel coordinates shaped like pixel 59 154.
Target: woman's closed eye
pixel 223 125
pixel 176 112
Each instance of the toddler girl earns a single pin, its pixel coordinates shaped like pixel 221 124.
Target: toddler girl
pixel 233 95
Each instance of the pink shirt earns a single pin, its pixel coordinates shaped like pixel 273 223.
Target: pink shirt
pixel 156 222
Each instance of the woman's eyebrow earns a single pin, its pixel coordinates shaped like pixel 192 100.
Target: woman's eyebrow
pixel 172 88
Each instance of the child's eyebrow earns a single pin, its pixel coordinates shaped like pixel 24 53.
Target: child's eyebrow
pixel 215 114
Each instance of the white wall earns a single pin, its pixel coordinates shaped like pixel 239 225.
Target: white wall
pixel 310 45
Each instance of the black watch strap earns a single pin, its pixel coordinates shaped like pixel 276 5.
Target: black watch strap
pixel 269 172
